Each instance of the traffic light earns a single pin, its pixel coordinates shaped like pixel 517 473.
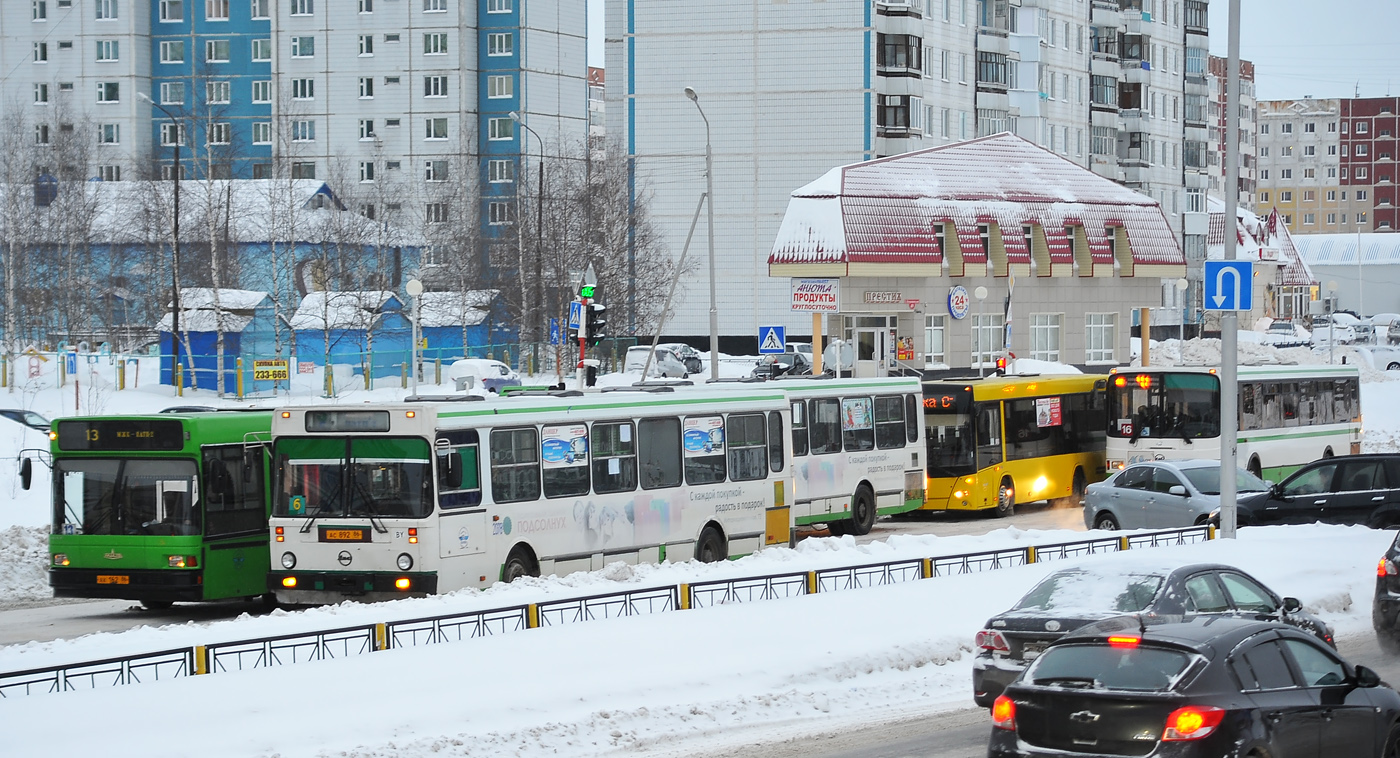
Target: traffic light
pixel 1001 365
pixel 597 323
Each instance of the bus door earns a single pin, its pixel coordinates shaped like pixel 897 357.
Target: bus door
pixel 989 451
pixel 463 528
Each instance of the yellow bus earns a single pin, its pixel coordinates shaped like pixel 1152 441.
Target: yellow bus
pixel 993 442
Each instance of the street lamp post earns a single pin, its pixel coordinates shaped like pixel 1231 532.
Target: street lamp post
pixel 539 240
pixel 710 224
pixel 175 253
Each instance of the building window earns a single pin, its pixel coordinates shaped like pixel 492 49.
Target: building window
pixel 1263 128
pixel 435 128
pixel 1309 219
pixel 366 6
pixel 1331 196
pixel 109 134
pixel 262 132
pixel 1100 335
pixel 366 128
pixel 1286 127
pixel 260 9
pixel 1309 149
pixel 935 341
pixel 1285 196
pixel 303 7
pixel 1264 174
pixel 262 49
pixel 500 129
pixel 1264 196
pixel 215 10
pixel 1362 149
pixel 304 130
pixel 394 124
pixel 216 51
pixel 106 9
pixel 501 171
pixel 1331 218
pixel 435 213
pixel 498 6
pixel 1309 195
pixel 366 87
pixel 172 134
pixel 1263 152
pixel 500 213
pixel 1362 194
pixel 172 93
pixel 366 171
pixel 172 51
pixel 893 116
pixel 41 134
pixel 1361 173
pixel 435 43
pixel 172 10
pixel 1309 173
pixel 434 6
pixel 434 86
pixel 435 171
pixel 107 50
pixel 216 92
pixel 303 47
pixel 366 44
pixel 987 334
pixel 898 53
pixel 304 170
pixel 109 173
pixel 262 91
pixel 108 92
pixel 500 43
pixel 303 89
pixel 1285 173
pixel 500 86
pixel 220 133
pixel 391 38
pixel 1045 336
pixel 41 93
pixel 1361 218
pixel 1362 127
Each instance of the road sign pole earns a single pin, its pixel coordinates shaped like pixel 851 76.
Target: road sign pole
pixel 580 375
pixel 1229 322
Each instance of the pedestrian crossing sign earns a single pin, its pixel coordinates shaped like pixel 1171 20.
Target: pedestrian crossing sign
pixel 772 339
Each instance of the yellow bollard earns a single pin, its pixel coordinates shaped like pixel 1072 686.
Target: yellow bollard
pixel 179 380
pixel 369 372
pixel 330 379
pixel 121 375
pixel 239 383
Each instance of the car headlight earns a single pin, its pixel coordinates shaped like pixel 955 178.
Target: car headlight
pixel 289 561
pixel 405 561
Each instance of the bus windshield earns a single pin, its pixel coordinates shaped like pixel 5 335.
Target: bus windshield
pixel 353 476
pixel 952 445
pixel 111 496
pixel 1161 406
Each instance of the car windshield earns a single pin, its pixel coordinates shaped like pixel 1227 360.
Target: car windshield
pixel 1080 591
pixel 382 477
pixel 111 496
pixel 1207 480
pixel 1098 666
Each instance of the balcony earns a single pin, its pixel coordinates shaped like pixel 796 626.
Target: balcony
pixel 910 8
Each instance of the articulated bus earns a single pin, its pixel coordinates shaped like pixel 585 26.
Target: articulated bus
pixel 163 508
pixel 383 501
pixel 1288 415
pixel 857 446
pixel 993 442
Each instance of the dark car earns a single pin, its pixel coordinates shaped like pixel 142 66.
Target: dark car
pixel 1194 687
pixel 783 364
pixel 1347 489
pixel 1071 598
pixel 28 418
pixel 1385 606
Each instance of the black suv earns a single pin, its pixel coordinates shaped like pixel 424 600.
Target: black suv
pixel 1385 607
pixel 1347 489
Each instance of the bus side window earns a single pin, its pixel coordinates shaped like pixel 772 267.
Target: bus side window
pixel 824 425
pixel 465 448
pixel 231 504
pixel 889 422
pixel 748 449
pixel 614 457
pixel 659 452
pixel 1249 414
pixel 704 444
pixel 799 428
pixel 775 441
pixel 912 418
pixel 515 465
pixel 857 423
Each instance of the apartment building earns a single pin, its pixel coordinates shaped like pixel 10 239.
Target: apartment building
pixel 1248 131
pixel 788 90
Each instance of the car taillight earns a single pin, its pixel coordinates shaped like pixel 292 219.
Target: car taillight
pixel 990 639
pixel 1386 568
pixel 1004 713
pixel 1192 722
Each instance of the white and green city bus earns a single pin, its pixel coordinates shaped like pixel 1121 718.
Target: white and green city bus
pixel 382 501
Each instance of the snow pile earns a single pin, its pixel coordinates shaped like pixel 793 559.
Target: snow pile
pixel 1206 352
pixel 24 559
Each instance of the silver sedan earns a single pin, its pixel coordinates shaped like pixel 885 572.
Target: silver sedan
pixel 1161 495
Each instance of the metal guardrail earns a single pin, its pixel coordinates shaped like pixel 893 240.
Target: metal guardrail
pixel 347 642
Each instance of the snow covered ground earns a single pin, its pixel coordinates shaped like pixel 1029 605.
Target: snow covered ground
pixel 660 685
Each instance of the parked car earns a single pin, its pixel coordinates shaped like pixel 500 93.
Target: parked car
pixel 1392 334
pixel 482 373
pixel 665 363
pixel 783 364
pixel 1069 599
pixel 692 358
pixel 1346 489
pixel 1161 494
pixel 1191 688
pixel 28 418
pixel 1380 325
pixel 1285 334
pixel 1324 326
pixel 1385 606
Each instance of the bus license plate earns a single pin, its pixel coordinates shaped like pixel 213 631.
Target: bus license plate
pixel 343 535
pixel 113 579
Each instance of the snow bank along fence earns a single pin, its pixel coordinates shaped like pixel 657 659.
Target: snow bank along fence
pixel 350 641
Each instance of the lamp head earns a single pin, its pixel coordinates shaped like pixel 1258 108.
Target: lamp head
pixel 690 93
pixel 145 97
pixel 514 116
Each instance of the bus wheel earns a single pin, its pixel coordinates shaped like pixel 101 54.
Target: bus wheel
pixel 1006 499
pixel 862 511
pixel 1255 468
pixel 156 605
pixel 1328 453
pixel 838 528
pixel 1106 522
pixel 710 547
pixel 519 565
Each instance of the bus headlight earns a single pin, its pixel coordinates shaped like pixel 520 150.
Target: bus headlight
pixel 289 561
pixel 405 561
pixel 60 559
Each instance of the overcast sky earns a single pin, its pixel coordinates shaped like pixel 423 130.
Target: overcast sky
pixel 1323 48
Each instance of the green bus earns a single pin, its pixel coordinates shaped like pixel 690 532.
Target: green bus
pixel 162 508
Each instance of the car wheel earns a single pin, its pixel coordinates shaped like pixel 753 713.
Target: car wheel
pixel 862 511
pixel 710 547
pixel 1392 365
pixel 1392 743
pixel 1006 499
pixel 1076 492
pixel 1105 522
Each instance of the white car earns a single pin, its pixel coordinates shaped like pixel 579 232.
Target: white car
pixel 693 360
pixel 1285 334
pixel 483 374
pixel 1324 326
pixel 665 364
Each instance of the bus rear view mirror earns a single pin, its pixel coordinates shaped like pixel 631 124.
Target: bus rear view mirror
pixel 450 471
pixel 26 472
pixel 250 463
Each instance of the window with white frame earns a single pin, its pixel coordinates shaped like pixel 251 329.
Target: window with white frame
pixel 172 93
pixel 434 86
pixel 41 52
pixel 303 7
pixel 262 49
pixel 1362 127
pixel 1362 194
pixel 304 89
pixel 41 134
pixel 501 171
pixel 935 341
pixel 1045 336
pixel 172 10
pixel 500 86
pixel 304 130
pixel 366 128
pixel 366 44
pixel 434 6
pixel 435 170
pixel 435 128
pixel 109 92
pixel 435 213
pixel 1309 219
pixel 987 333
pixel 435 43
pixel 366 171
pixel 500 129
pixel 366 87
pixel 216 51
pixel 499 43
pixel 109 134
pixel 366 6
pixel 109 173
pixel 1331 218
pixel 499 6
pixel 262 132
pixel 303 47
pixel 500 213
pixel 1100 336
pixel 106 9
pixel 216 92
pixel 391 38
pixel 220 133
pixel 108 50
pixel 215 10
pixel 172 134
pixel 1361 218
pixel 262 91
pixel 41 93
pixel 261 9
pixel 172 51
pixel 39 10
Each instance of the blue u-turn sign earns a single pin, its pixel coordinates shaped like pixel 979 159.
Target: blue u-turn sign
pixel 1229 285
